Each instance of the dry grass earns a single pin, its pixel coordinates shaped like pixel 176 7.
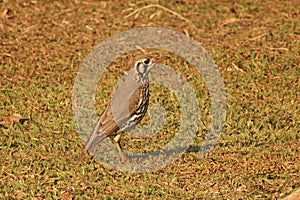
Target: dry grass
pixel 256 47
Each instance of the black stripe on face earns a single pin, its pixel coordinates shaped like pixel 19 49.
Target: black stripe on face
pixel 141 68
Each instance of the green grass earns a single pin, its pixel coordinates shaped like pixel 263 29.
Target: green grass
pixel 256 48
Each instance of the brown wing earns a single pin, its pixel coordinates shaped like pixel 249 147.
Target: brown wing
pixel 123 104
pixel 107 122
pixel 105 127
pixel 134 101
pixel 110 123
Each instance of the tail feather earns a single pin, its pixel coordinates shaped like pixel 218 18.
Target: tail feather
pixel 93 140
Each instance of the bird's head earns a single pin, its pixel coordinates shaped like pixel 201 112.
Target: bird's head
pixel 146 63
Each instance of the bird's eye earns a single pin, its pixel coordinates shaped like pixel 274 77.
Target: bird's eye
pixel 147 61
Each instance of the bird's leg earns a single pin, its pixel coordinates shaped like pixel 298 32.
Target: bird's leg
pixel 117 140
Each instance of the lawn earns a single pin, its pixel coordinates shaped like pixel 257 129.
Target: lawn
pixel 255 46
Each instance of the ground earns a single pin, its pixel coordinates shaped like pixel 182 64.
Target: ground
pixel 256 47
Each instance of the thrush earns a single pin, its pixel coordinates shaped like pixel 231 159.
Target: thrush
pixel 127 107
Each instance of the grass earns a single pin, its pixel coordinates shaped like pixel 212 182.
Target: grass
pixel 256 47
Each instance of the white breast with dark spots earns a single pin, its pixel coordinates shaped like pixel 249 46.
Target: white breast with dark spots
pixel 141 110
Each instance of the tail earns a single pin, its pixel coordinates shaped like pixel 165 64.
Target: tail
pixel 92 142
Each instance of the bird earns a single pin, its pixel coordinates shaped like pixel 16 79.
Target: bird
pixel 127 107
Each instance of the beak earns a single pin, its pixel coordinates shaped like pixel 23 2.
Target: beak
pixel 161 58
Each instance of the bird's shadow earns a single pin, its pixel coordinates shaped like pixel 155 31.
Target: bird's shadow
pixel 201 150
